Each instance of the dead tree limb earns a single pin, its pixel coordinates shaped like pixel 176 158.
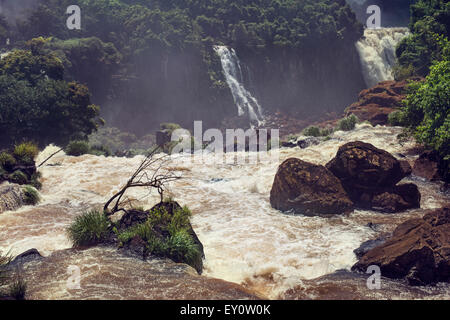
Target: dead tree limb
pixel 150 174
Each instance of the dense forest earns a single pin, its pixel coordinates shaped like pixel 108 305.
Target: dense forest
pixel 147 62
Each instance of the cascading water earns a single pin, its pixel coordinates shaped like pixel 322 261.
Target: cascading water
pixel 243 99
pixel 377 53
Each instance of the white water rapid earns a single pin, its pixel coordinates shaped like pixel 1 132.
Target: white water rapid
pixel 243 99
pixel 377 53
pixel 246 241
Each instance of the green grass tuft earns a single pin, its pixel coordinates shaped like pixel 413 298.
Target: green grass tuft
pixel 89 228
pixel 18 177
pixel 7 161
pixel 31 195
pixel 26 152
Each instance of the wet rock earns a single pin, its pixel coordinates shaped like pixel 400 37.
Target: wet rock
pixel 305 188
pixel 419 251
pixel 428 166
pixel 109 275
pixel 369 245
pixel 369 175
pixel 11 197
pixel 163 137
pixel 361 165
pixel 306 142
pixel 26 257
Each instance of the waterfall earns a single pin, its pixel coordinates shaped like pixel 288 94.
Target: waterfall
pixel 243 99
pixel 377 53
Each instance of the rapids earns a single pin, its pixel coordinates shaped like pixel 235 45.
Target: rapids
pixel 245 240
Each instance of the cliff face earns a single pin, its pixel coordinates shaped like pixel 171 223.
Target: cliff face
pixel 316 80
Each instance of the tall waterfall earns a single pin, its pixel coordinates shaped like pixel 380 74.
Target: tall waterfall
pixel 377 53
pixel 243 99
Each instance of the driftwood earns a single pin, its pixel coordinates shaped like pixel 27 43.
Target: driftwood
pixel 150 174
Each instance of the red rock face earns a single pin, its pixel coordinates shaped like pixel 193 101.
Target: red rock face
pixel 419 251
pixel 308 189
pixel 375 104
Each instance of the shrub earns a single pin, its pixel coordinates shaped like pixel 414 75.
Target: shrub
pixel 182 248
pixel 31 195
pixel 100 150
pixel 7 161
pixel 26 152
pixel 396 118
pixel 171 127
pixel 18 177
pixel 89 228
pixel 77 148
pixel 312 132
pixel 348 124
pixel 427 112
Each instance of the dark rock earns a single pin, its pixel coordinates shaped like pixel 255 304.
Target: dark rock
pixel 401 198
pixel 428 166
pixel 163 137
pixel 419 251
pixel 364 167
pixel 131 218
pixel 369 245
pixel 369 175
pixel 308 189
pixel 307 142
pixel 27 256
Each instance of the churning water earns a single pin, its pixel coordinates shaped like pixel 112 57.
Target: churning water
pixel 246 241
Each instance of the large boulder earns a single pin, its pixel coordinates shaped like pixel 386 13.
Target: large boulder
pixel 369 175
pixel 418 251
pixel 309 189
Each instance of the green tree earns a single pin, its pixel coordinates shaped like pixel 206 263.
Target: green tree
pixel 36 104
pixel 427 108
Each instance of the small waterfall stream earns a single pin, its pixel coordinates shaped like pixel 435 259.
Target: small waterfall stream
pixel 377 53
pixel 243 99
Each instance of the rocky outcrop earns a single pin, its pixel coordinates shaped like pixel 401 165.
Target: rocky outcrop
pixel 418 251
pixel 109 275
pixel 308 189
pixel 370 175
pixel 11 197
pixel 138 247
pixel 375 104
pixel 428 166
